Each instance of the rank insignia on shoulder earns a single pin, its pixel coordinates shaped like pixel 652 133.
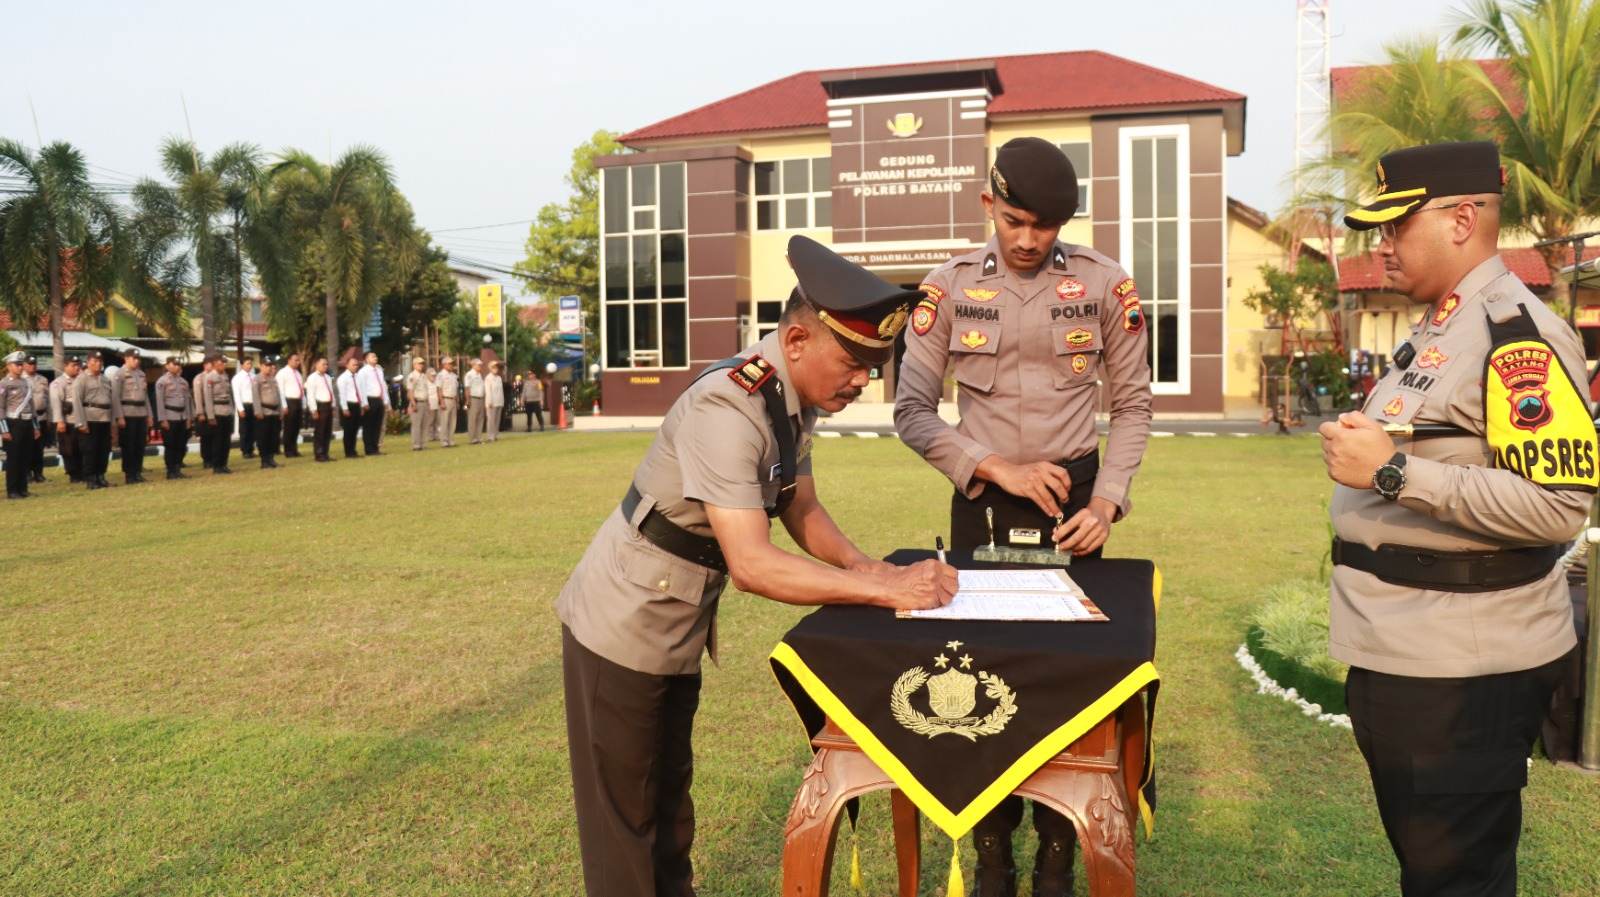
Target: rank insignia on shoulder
pixel 754 372
pixel 990 265
pixel 1059 258
pixel 1447 309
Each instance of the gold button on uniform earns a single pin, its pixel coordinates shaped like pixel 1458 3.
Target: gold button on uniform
pixel 662 585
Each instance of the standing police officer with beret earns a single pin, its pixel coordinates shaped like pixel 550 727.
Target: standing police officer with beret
pixel 1448 599
pixel 732 452
pixel 174 410
pixel 92 397
pixel 1031 324
pixel 130 404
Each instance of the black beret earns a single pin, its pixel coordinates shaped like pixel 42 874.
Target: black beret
pixel 1035 175
pixel 864 311
pixel 30 360
pixel 1408 178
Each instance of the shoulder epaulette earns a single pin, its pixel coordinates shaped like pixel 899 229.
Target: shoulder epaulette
pixel 752 373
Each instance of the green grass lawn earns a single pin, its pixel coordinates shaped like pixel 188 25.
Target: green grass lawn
pixel 345 679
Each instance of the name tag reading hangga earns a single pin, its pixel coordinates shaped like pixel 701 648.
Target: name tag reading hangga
pixel 1025 537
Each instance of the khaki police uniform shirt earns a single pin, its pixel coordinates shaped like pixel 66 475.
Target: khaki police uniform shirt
pixel 129 395
pixel 1027 353
pixel 1454 500
pixel 633 603
pixel 474 382
pixel 266 397
pixel 417 388
pixel 41 396
pixel 61 398
pixel 449 387
pixel 173 401
pixel 216 394
pixel 16 397
pixel 91 399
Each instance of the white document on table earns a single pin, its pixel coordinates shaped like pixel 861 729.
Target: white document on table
pixel 1017 595
pixel 1040 580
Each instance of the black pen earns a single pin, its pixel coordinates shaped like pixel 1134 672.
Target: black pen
pixel 938 544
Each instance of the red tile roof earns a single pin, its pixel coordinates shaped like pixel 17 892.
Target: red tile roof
pixel 69 320
pixel 1364 273
pixel 1040 82
pixel 1347 82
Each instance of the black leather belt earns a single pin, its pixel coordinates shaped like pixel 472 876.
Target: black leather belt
pixel 672 538
pixel 1082 469
pixel 139 402
pixel 1449 571
pixel 95 405
pixel 178 408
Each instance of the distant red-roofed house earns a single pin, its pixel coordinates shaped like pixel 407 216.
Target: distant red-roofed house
pixel 1381 320
pixel 886 164
pixel 1348 81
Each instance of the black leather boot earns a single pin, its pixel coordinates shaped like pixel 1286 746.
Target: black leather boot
pixel 996 874
pixel 1052 866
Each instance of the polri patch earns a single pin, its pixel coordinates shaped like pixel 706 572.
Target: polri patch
pixel 1070 289
pixel 754 372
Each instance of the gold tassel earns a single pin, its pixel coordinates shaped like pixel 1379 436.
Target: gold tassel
pixel 855 866
pixel 956 888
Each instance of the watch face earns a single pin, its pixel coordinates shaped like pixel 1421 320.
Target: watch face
pixel 1389 478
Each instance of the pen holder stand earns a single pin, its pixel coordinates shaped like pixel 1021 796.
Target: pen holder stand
pixel 1005 554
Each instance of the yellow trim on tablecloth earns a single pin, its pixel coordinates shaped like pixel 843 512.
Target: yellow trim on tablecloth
pixel 951 823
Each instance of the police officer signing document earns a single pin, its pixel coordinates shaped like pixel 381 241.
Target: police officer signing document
pixel 732 452
pixel 1448 599
pixel 1031 325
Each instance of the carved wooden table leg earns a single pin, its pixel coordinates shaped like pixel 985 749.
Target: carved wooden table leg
pixel 907 842
pixel 833 777
pixel 1098 808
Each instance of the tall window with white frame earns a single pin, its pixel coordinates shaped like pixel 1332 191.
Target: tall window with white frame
pixel 1078 155
pixel 792 194
pixel 644 281
pixel 1155 240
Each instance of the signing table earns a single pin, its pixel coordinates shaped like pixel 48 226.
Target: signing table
pixel 953 716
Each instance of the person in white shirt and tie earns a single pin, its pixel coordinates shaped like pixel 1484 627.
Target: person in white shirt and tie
pixel 292 384
pixel 351 404
pixel 322 400
pixel 375 392
pixel 244 387
pixel 494 400
pixel 473 381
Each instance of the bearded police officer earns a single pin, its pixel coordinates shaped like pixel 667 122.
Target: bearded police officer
pixel 1030 324
pixel 92 396
pixel 41 415
pixel 130 405
pixel 61 413
pixel 732 452
pixel 174 410
pixel 1448 600
pixel 18 427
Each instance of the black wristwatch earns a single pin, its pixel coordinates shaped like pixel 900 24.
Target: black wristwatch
pixel 1389 479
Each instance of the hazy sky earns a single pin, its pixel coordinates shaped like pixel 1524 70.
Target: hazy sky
pixel 478 104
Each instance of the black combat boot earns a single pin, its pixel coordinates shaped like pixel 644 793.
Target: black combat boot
pixel 1052 866
pixel 996 874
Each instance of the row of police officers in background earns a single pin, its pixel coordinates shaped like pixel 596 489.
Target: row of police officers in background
pixel 88 410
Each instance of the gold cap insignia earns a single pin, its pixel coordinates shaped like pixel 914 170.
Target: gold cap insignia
pixel 1000 182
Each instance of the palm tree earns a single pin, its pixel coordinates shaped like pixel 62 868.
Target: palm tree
pixel 354 230
pixel 1548 126
pixel 181 227
pixel 62 240
pixel 1544 112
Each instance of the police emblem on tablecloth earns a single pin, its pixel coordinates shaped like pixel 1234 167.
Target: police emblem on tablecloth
pixel 952 696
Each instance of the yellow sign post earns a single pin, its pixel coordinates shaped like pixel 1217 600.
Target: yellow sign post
pixel 489 307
